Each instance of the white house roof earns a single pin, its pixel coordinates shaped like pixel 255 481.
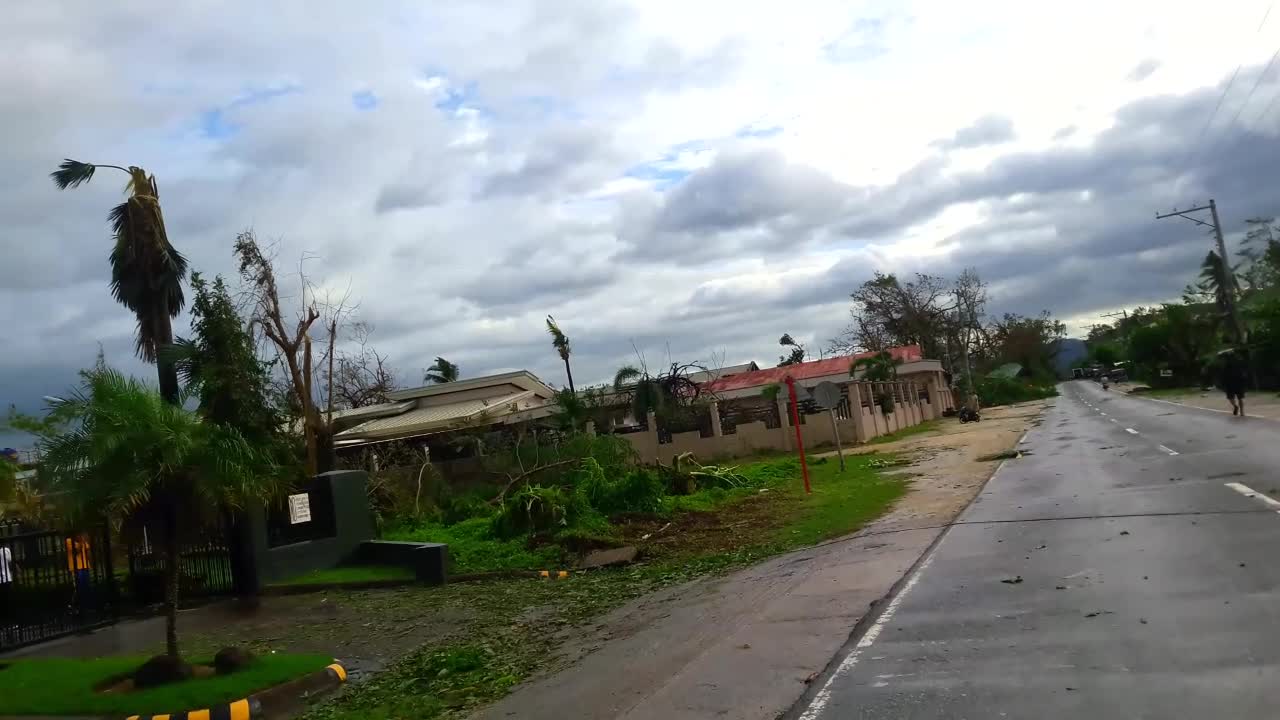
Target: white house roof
pixel 438 418
pixel 522 379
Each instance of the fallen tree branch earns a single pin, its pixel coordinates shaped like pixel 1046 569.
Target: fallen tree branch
pixel 524 476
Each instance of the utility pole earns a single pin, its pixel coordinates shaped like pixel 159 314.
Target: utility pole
pixel 1228 276
pixel 964 346
pixel 1124 326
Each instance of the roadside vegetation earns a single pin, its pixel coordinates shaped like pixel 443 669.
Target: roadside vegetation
pixel 713 529
pixel 1180 345
pixel 607 501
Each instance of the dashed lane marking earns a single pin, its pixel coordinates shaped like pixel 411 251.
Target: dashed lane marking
pixel 1249 492
pixel 1168 449
pixel 1131 431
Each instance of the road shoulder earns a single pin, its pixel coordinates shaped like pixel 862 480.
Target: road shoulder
pixel 746 645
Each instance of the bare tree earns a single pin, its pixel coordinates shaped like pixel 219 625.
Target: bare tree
pixel 289 335
pixel 362 377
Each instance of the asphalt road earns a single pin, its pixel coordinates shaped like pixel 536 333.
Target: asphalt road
pixel 1124 567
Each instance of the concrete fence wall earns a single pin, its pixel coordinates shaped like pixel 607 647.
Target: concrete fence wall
pixel 914 402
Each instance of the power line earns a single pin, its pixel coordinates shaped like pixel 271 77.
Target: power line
pixel 1261 76
pixel 1194 152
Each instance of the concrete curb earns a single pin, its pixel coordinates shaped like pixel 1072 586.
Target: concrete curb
pixel 262 704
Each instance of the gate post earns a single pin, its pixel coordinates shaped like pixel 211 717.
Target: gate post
pixel 246 581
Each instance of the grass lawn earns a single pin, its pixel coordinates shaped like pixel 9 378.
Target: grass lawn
pixel 841 502
pixel 473 550
pixel 906 432
pixel 64 686
pixel 710 531
pixel 350 574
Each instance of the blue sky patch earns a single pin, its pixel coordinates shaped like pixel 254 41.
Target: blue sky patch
pixel 364 100
pixel 214 123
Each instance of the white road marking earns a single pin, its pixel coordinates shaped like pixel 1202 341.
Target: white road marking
pixel 1113 420
pixel 1249 492
pixel 1168 449
pixel 1103 414
pixel 1131 431
pixel 1184 405
pixel 823 697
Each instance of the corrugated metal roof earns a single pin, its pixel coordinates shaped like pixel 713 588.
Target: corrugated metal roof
pixel 436 417
pixel 804 370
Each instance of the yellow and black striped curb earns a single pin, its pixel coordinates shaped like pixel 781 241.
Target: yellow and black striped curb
pixel 251 707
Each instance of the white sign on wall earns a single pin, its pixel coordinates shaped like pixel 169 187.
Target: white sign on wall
pixel 1166 373
pixel 299 508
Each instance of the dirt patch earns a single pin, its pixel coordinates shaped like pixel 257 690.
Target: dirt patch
pixel 740 524
pixel 946 468
pixel 366 629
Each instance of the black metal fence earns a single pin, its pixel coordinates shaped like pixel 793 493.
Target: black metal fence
pixel 53 583
pixel 204 568
pixel 732 416
pixel 692 419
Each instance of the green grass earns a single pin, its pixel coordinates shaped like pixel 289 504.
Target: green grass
pixel 473 549
pixel 841 502
pixel 64 686
pixel 351 574
pixel 906 432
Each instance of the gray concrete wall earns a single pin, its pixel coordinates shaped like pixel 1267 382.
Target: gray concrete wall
pixel 353 524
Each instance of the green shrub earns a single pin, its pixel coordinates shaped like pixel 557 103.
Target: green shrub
pixel 474 548
pixel 537 509
pixel 638 490
pixel 464 507
pixel 994 391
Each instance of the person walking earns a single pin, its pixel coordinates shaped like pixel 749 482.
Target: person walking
pixel 1234 380
pixel 79 564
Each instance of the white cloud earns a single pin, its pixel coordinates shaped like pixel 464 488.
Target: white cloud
pixel 694 176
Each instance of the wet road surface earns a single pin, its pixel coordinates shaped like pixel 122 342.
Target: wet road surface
pixel 1124 567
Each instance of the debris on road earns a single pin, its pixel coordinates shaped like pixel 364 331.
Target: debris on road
pixel 1124 532
pixel 1012 580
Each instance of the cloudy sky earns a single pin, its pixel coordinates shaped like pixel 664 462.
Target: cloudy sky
pixel 689 178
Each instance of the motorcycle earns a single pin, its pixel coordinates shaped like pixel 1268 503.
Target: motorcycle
pixel 968 415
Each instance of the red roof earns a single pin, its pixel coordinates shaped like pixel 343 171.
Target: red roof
pixel 805 370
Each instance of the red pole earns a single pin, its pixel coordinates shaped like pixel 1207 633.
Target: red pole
pixel 795 423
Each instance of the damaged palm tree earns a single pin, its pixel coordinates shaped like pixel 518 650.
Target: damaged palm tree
pixel 146 270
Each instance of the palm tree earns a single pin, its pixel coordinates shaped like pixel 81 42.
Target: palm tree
pixel 646 392
pixel 881 367
pixel 441 372
pixel 561 343
pixel 146 271
pixel 133 454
